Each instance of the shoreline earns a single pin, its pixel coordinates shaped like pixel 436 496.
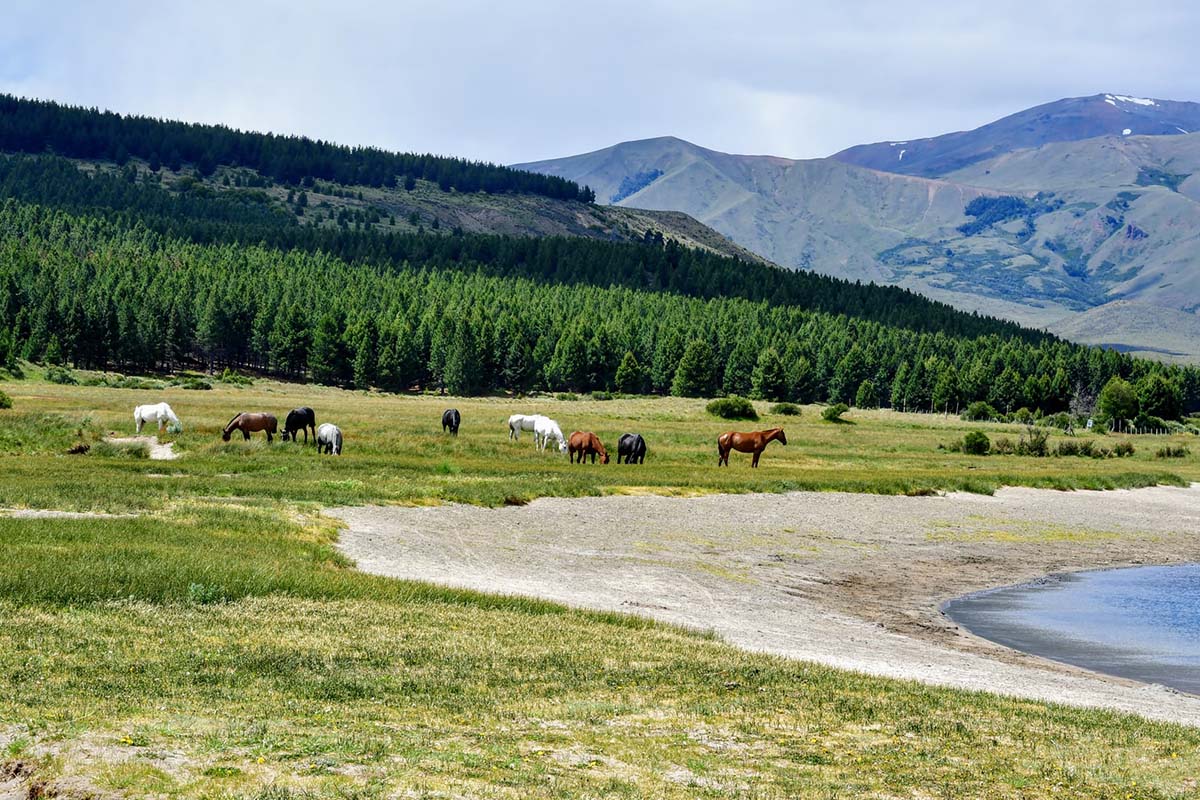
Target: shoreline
pixel 1028 618
pixel 849 580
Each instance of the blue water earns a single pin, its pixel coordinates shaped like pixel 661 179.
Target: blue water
pixel 1141 623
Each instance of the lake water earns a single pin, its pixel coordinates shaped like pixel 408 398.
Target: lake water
pixel 1141 622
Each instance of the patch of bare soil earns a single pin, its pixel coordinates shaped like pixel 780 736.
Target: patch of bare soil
pixel 158 451
pixel 850 580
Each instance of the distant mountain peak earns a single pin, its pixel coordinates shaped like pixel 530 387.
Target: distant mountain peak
pixel 1066 120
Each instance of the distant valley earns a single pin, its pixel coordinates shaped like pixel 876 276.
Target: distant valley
pixel 1081 216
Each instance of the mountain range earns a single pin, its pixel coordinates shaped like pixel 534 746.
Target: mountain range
pixel 1081 216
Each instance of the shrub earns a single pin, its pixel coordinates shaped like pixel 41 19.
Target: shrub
pixel 1022 416
pixel 1172 451
pixel 5 400
pixel 1004 446
pixel 786 409
pixel 1148 422
pixel 1061 420
pixel 834 413
pixel 566 396
pixel 976 443
pixel 234 377
pixel 60 375
pixel 194 383
pixel 732 407
pixel 1034 442
pixel 602 395
pixel 1123 449
pixel 1083 448
pixel 980 411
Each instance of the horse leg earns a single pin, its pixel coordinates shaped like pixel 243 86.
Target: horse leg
pixel 245 435
pixel 754 463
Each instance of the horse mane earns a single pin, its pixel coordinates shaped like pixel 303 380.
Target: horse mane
pixel 229 424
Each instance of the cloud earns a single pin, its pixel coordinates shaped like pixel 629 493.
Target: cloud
pixel 527 80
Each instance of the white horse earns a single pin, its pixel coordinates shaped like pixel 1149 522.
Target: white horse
pixel 522 422
pixel 160 413
pixel 546 429
pixel 329 439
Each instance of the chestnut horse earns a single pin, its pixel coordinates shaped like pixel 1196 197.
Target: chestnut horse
pixel 754 442
pixel 586 443
pixel 247 422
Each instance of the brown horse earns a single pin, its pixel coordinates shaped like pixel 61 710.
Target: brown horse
pixel 754 442
pixel 250 421
pixel 586 443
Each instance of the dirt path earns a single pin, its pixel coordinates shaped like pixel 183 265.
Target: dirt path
pixel 850 580
pixel 158 452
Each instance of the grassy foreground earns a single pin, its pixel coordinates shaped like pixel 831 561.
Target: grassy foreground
pixel 216 645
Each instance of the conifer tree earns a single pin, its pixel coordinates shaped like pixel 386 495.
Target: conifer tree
pixel 695 375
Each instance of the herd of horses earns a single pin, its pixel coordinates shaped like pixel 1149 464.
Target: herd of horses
pixel 631 447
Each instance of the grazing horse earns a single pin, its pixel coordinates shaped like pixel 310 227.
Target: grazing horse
pixel 451 419
pixel 329 439
pixel 632 448
pixel 754 442
pixel 300 419
pixel 586 443
pixel 250 421
pixel 160 413
pixel 545 429
pixel 522 422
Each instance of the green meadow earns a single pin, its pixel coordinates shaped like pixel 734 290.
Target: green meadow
pixel 201 636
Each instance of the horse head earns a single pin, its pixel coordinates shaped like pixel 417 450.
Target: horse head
pixel 781 437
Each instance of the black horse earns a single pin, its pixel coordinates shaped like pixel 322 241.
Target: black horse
pixel 451 419
pixel 631 447
pixel 300 419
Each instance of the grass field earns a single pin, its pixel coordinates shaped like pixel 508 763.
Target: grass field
pixel 215 644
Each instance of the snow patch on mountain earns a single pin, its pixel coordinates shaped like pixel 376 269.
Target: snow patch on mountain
pixel 1112 99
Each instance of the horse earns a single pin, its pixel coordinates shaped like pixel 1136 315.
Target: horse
pixel 586 443
pixel 300 419
pixel 451 419
pixel 522 422
pixel 754 442
pixel 250 421
pixel 632 448
pixel 329 439
pixel 545 429
pixel 160 413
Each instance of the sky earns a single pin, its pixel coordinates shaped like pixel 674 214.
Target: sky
pixel 518 81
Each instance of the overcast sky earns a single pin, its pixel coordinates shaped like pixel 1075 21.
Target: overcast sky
pixel 512 81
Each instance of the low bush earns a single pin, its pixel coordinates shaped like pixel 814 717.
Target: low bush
pixel 786 409
pixel 60 375
pixel 1022 416
pixel 976 443
pixel 1147 423
pixel 834 413
pixel 569 396
pixel 1004 446
pixel 1034 442
pixel 732 407
pixel 1123 449
pixel 193 383
pixel 232 376
pixel 602 395
pixel 5 400
pixel 1084 448
pixel 980 411
pixel 1172 451
pixel 1061 420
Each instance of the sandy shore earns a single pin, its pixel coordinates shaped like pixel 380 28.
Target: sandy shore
pixel 850 580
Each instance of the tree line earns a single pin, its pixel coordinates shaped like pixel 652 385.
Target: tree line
pixel 37 126
pixel 208 215
pixel 87 291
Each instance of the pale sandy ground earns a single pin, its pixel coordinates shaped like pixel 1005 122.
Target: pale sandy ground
pixel 850 580
pixel 158 452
